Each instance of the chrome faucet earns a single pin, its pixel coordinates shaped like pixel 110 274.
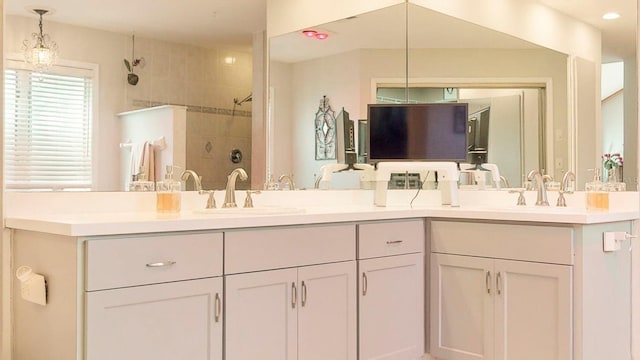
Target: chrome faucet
pixel 504 182
pixel 542 190
pixel 197 180
pixel 230 195
pixel 289 179
pixel 316 184
pixel 564 188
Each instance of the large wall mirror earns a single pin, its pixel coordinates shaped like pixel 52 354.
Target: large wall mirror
pixel 371 52
pixel 362 54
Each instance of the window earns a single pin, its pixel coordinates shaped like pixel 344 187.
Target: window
pixel 48 120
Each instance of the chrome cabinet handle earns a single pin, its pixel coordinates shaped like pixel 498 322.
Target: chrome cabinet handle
pixel 364 284
pixel 218 311
pixel 303 299
pixel 161 264
pixel 499 283
pixel 294 295
pixel 393 242
pixel 487 282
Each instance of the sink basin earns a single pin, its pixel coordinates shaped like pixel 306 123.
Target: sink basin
pixel 263 210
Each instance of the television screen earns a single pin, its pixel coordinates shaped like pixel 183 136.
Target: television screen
pixel 478 136
pixel 424 132
pixel 346 142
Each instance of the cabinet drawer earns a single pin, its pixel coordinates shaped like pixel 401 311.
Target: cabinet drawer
pixel 390 238
pixel 539 243
pixel 264 249
pixel 121 262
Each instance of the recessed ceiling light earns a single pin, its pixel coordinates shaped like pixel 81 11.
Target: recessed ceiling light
pixel 309 33
pixel 611 16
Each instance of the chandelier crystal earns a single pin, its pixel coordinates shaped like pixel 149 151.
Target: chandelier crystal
pixel 41 52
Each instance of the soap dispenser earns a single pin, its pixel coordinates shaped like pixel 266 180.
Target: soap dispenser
pixel 139 182
pixel 597 193
pixel 612 182
pixel 168 192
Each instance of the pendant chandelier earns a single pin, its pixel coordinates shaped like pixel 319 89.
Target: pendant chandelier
pixel 41 52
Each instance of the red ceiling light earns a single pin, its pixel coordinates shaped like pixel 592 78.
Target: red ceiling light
pixel 309 33
pixel 315 34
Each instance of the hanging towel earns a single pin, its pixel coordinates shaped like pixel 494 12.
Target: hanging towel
pixel 148 165
pixel 137 154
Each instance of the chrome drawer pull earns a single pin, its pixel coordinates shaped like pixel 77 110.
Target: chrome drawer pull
pixel 487 282
pixel 218 308
pixel 365 284
pixel 294 295
pixel 499 283
pixel 161 264
pixel 304 294
pixel 393 242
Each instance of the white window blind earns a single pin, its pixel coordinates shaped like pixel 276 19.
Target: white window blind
pixel 47 130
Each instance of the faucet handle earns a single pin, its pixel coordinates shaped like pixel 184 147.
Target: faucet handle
pixel 521 200
pixel 561 200
pixel 211 200
pixel 248 201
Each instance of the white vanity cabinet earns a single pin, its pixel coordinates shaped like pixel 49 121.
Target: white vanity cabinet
pixel 519 291
pixel 499 309
pixel 391 289
pixel 154 297
pixel 291 293
pixel 121 297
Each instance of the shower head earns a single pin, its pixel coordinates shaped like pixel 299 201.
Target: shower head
pixel 240 102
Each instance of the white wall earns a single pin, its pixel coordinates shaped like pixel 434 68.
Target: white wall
pixel 337 78
pixel 528 20
pixel 631 123
pixel 285 16
pixel 613 124
pixel 282 137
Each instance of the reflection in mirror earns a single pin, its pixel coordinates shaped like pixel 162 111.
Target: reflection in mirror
pixel 202 79
pixel 303 71
pixel 505 124
pixel 455 61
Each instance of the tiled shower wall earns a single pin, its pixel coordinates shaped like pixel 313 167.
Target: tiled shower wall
pixel 210 140
pixel 200 78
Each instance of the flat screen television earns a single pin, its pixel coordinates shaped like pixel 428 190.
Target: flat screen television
pixel 346 141
pixel 417 132
pixel 478 138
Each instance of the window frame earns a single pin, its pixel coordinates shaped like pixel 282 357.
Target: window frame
pixel 68 68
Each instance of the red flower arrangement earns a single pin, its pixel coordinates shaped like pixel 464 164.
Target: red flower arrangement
pixel 612 161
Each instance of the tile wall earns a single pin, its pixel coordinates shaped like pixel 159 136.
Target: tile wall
pixel 200 78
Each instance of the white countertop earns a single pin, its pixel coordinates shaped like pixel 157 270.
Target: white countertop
pixel 80 218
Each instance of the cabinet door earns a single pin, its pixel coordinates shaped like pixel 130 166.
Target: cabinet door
pixel 260 315
pixel 461 307
pixel 533 311
pixel 327 312
pixel 178 320
pixel 391 293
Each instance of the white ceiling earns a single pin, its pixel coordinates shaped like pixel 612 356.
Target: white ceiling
pixel 618 36
pixel 207 23
pixel 233 22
